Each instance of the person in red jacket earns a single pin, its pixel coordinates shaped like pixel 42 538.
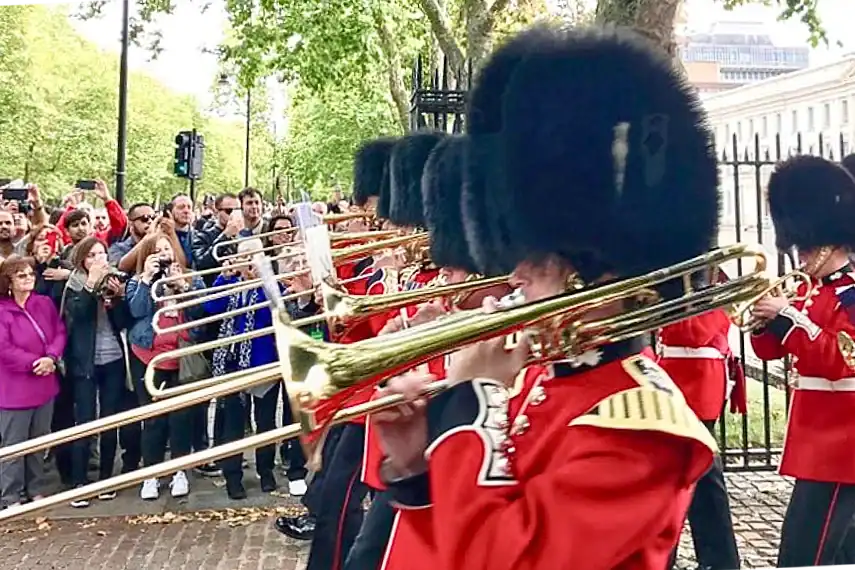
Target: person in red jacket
pixel 812 203
pixel 115 214
pixel 581 472
pixel 696 354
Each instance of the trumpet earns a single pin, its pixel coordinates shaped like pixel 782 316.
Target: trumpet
pixel 786 285
pixel 562 325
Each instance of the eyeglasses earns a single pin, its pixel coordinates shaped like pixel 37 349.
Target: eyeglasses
pixel 25 276
pixel 147 218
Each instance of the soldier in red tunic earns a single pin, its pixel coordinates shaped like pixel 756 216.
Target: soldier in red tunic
pixel 696 355
pixel 812 203
pixel 597 158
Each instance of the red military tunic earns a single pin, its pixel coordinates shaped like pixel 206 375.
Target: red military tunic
pixel 590 474
pixel 694 353
pixel 821 425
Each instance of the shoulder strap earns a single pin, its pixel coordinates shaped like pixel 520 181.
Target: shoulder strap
pixel 646 408
pixel 36 326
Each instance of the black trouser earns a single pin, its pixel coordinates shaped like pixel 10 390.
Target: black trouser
pixel 370 545
pixel 107 384
pixel 233 429
pixel 63 417
pixel 818 525
pixel 711 522
pixel 290 450
pixel 313 499
pixel 339 515
pixel 130 436
pixel 174 426
pixel 199 427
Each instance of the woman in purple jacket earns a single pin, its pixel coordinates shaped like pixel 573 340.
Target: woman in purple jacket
pixel 32 340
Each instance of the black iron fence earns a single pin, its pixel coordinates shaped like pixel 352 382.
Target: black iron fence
pixel 750 442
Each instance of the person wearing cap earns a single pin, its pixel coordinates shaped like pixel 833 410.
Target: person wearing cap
pixel 388 538
pixel 812 204
pixel 334 487
pixel 696 354
pixel 566 475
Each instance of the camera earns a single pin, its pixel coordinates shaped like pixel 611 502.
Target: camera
pixel 102 289
pixel 163 265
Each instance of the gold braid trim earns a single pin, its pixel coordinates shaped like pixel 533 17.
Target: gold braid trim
pixel 647 408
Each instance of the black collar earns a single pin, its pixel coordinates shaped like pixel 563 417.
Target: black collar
pixel 836 275
pixel 600 356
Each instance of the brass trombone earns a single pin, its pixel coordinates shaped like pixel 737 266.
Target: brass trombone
pixel 328 219
pixel 339 256
pixel 334 237
pixel 339 307
pixel 786 285
pixel 314 370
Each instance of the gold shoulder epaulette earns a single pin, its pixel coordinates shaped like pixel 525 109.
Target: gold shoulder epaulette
pixel 646 408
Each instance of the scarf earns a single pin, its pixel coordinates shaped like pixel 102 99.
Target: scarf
pixel 226 354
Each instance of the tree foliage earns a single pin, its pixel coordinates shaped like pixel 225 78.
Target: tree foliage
pixel 58 116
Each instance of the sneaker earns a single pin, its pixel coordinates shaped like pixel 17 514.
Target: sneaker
pixel 209 470
pixel 107 496
pixel 150 490
pixel 268 482
pixel 179 486
pixel 297 488
pixel 79 503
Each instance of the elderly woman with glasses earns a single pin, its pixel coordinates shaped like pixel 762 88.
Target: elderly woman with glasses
pixel 33 339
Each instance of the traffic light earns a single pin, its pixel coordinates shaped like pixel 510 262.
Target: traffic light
pixel 183 154
pixel 197 156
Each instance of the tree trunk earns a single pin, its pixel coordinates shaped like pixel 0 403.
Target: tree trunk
pixel 440 25
pixel 397 89
pixel 480 24
pixel 653 18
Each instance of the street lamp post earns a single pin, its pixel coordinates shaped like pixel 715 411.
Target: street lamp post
pixel 121 137
pixel 246 151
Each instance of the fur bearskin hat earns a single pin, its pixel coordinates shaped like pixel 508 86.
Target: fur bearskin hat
pixel 406 165
pixel 597 151
pixel 442 183
pixel 370 169
pixel 848 163
pixel 812 203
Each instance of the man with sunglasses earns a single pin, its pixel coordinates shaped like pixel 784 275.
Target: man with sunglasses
pixel 140 218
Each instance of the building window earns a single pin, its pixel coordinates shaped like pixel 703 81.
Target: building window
pixel 810 125
pixel 795 121
pixel 739 130
pixel 751 128
pixel 779 124
pixel 844 112
pixel 727 136
pixel 764 125
pixel 826 116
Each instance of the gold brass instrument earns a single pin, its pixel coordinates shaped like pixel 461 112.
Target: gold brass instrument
pixel 786 285
pixel 334 238
pixel 339 256
pixel 561 326
pixel 328 219
pixel 339 307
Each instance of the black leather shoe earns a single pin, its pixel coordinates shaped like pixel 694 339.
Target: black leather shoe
pixel 268 482
pixel 235 490
pixel 301 527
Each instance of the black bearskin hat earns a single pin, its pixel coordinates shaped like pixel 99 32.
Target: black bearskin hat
pixel 442 183
pixel 597 150
pixel 406 165
pixel 484 219
pixel 370 169
pixel 812 203
pixel 848 163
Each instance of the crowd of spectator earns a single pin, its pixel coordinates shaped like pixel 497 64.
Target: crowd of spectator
pixel 92 271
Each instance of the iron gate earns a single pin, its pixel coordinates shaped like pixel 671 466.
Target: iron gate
pixel 749 442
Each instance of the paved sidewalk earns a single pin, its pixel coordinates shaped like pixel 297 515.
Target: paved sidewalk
pixel 758 502
pixel 238 535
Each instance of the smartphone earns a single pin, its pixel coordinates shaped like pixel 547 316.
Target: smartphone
pixel 87 185
pixel 16 194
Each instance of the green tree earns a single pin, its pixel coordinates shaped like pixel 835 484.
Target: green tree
pixel 58 101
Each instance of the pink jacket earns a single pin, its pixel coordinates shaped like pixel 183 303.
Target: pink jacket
pixel 21 345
